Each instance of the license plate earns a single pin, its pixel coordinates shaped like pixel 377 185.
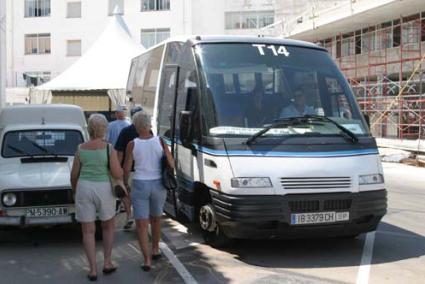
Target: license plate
pixel 319 217
pixel 46 212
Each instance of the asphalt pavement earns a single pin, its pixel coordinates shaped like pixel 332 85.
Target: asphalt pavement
pixel 394 254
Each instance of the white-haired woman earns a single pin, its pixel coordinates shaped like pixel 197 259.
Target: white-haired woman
pixel 147 194
pixel 90 181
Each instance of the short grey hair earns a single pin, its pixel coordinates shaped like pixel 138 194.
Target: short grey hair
pixel 141 120
pixel 97 125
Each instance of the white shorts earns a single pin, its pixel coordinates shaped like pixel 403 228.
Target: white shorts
pixel 94 198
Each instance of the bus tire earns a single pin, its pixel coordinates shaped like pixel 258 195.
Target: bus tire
pixel 211 231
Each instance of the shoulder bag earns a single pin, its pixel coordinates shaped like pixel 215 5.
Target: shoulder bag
pixel 169 180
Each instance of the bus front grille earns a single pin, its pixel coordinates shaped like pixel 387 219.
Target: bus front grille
pixel 301 183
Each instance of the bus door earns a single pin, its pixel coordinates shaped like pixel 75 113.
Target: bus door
pixel 167 121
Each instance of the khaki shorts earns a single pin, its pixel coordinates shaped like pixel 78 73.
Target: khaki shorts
pixel 94 199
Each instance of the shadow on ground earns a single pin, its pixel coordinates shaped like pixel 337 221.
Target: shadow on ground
pixel 55 255
pixel 391 244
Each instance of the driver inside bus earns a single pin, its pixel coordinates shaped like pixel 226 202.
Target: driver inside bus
pixel 297 106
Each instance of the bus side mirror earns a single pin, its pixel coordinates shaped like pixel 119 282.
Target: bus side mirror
pixel 186 135
pixel 366 117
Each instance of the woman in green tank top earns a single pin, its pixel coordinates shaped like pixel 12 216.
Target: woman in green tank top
pixel 90 181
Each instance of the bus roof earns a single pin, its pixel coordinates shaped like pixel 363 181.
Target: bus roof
pixel 252 39
pixel 198 39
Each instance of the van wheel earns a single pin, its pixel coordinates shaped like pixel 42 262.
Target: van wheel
pixel 211 231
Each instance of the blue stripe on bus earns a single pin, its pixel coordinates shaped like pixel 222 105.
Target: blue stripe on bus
pixel 249 153
pixel 288 154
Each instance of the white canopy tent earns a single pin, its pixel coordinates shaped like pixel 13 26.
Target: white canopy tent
pixel 104 66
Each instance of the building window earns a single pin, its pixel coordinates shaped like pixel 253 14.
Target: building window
pixel 116 3
pixel 35 78
pixel 37 44
pixel 385 38
pixel 37 8
pixel 155 5
pixel 327 43
pixel 348 44
pixel 369 40
pixel 153 36
pixel 248 20
pixel 411 32
pixel 73 48
pixel 73 10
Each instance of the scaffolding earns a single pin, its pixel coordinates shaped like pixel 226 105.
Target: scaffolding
pixel 385 67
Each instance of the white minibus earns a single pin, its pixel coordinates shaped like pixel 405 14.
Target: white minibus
pixel 268 138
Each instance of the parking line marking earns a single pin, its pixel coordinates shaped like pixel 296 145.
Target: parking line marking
pixel 135 249
pixel 184 273
pixel 364 269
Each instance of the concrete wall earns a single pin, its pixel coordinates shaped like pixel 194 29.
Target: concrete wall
pixel 2 53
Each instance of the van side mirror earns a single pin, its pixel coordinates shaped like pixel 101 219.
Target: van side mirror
pixel 186 135
pixel 366 117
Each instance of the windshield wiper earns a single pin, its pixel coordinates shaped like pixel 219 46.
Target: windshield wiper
pixel 39 147
pixel 280 121
pixel 351 135
pixel 298 120
pixel 46 152
pixel 20 151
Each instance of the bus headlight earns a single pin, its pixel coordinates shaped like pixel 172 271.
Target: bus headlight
pixel 9 199
pixel 247 182
pixel 371 179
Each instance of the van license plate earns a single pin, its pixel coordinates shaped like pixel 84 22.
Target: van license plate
pixel 46 212
pixel 319 217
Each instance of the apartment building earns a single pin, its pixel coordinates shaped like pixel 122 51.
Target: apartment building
pixel 44 37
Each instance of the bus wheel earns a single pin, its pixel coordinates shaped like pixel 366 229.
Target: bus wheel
pixel 211 231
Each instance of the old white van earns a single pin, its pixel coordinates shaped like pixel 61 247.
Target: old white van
pixel 37 147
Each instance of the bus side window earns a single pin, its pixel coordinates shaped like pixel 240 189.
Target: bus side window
pixel 166 101
pixel 168 88
pixel 137 78
pixel 151 79
pixel 187 92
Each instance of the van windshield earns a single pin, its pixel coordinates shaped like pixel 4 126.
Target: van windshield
pixel 249 86
pixel 27 143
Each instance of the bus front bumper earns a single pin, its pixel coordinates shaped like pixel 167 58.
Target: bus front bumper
pixel 263 217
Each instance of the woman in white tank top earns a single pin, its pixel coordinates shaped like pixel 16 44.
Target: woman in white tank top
pixel 147 194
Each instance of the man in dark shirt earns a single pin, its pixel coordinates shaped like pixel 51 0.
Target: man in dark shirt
pixel 127 135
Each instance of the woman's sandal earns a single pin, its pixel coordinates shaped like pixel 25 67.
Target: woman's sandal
pixel 146 268
pixel 109 270
pixel 128 225
pixel 156 256
pixel 92 277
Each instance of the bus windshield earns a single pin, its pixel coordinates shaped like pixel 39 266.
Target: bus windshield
pixel 249 86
